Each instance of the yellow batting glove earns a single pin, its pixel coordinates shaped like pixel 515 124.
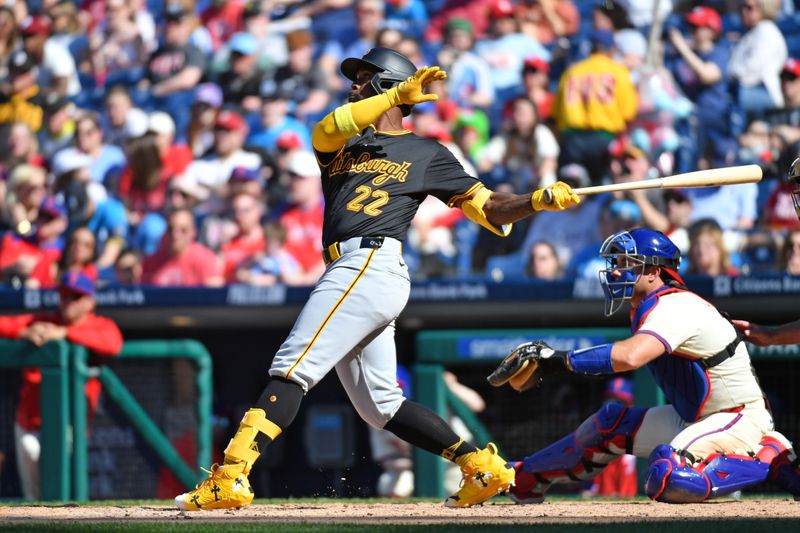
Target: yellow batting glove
pixel 410 91
pixel 556 197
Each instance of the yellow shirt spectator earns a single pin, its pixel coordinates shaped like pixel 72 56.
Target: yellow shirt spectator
pixel 595 94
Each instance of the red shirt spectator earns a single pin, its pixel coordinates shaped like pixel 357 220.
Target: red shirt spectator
pixel 180 260
pixel 303 217
pixel 249 239
pixel 779 213
pixel 74 322
pixel 222 19
pixel 79 256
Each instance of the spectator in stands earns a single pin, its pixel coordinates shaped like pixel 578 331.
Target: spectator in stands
pixel 208 101
pixel 8 38
pixel 180 260
pixel 525 150
pixel 506 49
pixel 757 58
pixel 275 120
pixel 122 119
pixel 547 20
pixel 543 263
pixel 223 18
pixel 536 86
pixel 678 212
pixel 629 164
pixel 89 205
pixel 185 193
pixel 107 161
pixel 431 237
pixel 302 77
pixel 24 101
pixel 247 181
pixel 48 236
pixel 589 113
pixel 56 66
pixel 707 253
pixel 22 147
pixel 469 82
pixel 26 191
pixel 66 27
pixel 145 24
pixel 407 16
pixel 74 322
pixel 115 48
pixel 370 17
pixel 58 130
pixel 790 254
pixel 175 68
pixel 610 15
pixel 241 80
pixel 732 207
pixel 249 239
pixel 128 268
pixel 302 216
pixel 213 170
pixel 271 49
pixel 702 73
pixel 475 11
pixel 274 264
pixel 785 122
pixel 80 254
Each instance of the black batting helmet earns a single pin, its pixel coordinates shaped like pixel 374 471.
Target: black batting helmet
pixel 390 68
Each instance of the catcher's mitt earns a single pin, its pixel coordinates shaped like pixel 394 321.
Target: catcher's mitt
pixel 524 367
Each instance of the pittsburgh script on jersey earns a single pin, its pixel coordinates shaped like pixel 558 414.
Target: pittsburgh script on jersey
pixel 386 170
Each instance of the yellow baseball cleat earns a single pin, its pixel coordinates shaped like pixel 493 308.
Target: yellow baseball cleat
pixel 226 487
pixel 485 475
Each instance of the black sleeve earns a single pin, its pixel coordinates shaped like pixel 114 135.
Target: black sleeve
pixel 195 58
pixel 445 178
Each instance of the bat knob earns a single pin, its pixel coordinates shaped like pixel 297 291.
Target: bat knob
pixel 548 196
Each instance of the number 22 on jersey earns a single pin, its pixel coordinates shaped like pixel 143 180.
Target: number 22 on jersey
pixel 363 193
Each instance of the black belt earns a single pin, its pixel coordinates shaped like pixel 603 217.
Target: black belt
pixel 333 252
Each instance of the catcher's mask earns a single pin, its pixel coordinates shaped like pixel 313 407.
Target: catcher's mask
pixel 390 69
pixel 626 254
pixel 794 180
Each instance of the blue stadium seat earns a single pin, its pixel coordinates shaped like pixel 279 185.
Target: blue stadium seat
pixel 500 267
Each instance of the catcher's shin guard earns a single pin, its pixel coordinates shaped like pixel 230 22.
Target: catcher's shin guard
pixel 673 479
pixel 580 455
pixel 784 468
pixel 243 448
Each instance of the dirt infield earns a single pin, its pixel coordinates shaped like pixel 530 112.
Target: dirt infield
pixel 498 512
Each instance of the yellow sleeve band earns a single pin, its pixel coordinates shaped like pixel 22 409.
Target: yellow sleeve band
pixel 473 210
pixel 343 116
pixel 333 131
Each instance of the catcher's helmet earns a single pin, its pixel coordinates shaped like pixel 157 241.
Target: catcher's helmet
pixel 390 69
pixel 639 247
pixel 794 180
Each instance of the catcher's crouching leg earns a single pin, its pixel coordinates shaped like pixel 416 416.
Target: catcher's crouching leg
pixel 673 478
pixel 578 456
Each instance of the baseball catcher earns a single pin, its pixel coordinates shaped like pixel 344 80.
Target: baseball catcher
pixel 715 437
pixel 374 176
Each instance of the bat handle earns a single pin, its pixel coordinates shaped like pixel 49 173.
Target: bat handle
pixel 548 196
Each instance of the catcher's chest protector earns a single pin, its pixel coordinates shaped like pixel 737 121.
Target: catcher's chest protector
pixel 684 382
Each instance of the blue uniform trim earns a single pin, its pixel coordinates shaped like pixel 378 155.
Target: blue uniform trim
pixel 685 383
pixel 593 361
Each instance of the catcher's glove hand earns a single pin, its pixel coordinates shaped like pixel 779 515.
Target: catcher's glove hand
pixel 524 367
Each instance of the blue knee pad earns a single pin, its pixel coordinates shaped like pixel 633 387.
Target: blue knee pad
pixel 609 431
pixel 670 479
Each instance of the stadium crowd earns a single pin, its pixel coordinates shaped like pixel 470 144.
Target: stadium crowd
pixel 167 142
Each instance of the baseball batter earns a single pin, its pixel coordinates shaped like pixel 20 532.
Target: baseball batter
pixel 375 174
pixel 715 437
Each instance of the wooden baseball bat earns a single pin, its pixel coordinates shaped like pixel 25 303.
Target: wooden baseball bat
pixel 701 178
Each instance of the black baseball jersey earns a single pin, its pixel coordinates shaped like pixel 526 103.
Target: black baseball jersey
pixel 374 185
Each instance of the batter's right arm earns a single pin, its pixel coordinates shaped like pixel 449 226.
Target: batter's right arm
pixel 505 208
